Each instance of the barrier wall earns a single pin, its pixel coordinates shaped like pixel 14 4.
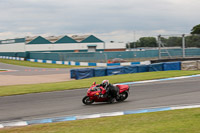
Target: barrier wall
pixel 79 63
pixel 88 63
pixel 13 54
pixel 143 68
pixel 84 73
pixel 102 71
pixel 107 71
pixel 171 66
pixel 130 69
pixel 156 67
pixel 198 64
pixel 73 73
pixel 115 70
pixel 189 65
pixel 12 58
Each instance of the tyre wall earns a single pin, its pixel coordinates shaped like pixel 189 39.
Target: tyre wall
pixel 107 71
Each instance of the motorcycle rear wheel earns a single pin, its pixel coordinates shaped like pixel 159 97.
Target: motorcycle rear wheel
pixel 86 100
pixel 123 96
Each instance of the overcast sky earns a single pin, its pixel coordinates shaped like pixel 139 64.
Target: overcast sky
pixel 117 20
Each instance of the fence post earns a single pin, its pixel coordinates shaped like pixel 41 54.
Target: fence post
pixel 159 45
pixel 183 45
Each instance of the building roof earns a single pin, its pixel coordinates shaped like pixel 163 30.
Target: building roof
pixel 30 38
pixel 62 39
pixel 79 38
pixel 66 39
pixel 39 40
pixel 53 38
pixel 91 39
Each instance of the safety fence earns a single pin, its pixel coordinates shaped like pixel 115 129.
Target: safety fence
pixel 103 56
pixel 107 71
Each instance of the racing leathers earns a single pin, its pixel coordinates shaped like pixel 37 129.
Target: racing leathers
pixel 111 91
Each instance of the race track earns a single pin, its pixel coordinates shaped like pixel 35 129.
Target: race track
pixel 30 71
pixel 68 103
pixel 17 75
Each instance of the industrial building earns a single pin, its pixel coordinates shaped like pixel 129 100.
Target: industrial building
pixel 75 43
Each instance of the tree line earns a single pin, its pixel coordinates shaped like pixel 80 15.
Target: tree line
pixel 190 41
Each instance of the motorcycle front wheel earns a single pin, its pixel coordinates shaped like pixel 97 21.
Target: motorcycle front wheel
pixel 86 100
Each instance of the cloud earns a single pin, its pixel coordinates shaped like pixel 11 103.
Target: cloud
pixel 111 19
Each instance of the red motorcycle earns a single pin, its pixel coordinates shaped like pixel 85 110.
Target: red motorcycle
pixel 95 94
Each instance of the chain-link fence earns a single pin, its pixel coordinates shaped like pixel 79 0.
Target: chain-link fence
pixel 178 46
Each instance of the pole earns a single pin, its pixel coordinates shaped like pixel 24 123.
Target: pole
pixel 183 45
pixel 159 45
pixel 134 41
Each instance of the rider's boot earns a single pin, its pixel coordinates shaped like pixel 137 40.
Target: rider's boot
pixel 111 100
pixel 118 97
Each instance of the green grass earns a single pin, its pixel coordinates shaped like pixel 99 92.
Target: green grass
pixel 176 121
pixel 35 64
pixel 85 83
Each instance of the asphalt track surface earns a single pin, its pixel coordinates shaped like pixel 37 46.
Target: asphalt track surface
pixel 68 103
pixel 29 71
pixel 18 75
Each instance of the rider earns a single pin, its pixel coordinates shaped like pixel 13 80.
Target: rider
pixel 111 91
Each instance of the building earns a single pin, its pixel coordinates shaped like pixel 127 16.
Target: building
pixel 75 43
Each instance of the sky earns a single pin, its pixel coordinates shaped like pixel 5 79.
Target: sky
pixel 109 20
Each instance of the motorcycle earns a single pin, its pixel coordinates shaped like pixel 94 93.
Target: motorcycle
pixel 96 94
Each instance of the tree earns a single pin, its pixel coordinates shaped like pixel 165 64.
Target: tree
pixel 192 41
pixel 196 29
pixel 143 42
pixel 147 42
pixel 174 41
pixel 131 45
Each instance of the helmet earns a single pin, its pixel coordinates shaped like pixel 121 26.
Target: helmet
pixel 105 83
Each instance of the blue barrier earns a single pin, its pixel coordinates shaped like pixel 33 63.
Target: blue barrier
pixel 101 71
pixel 84 73
pixel 156 67
pixel 143 68
pixel 113 64
pixel 130 69
pixel 77 63
pixel 115 70
pixel 73 73
pixel 171 66
pixel 53 62
pixel 92 64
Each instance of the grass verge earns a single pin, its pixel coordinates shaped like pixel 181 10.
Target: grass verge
pixel 85 83
pixel 36 64
pixel 176 121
